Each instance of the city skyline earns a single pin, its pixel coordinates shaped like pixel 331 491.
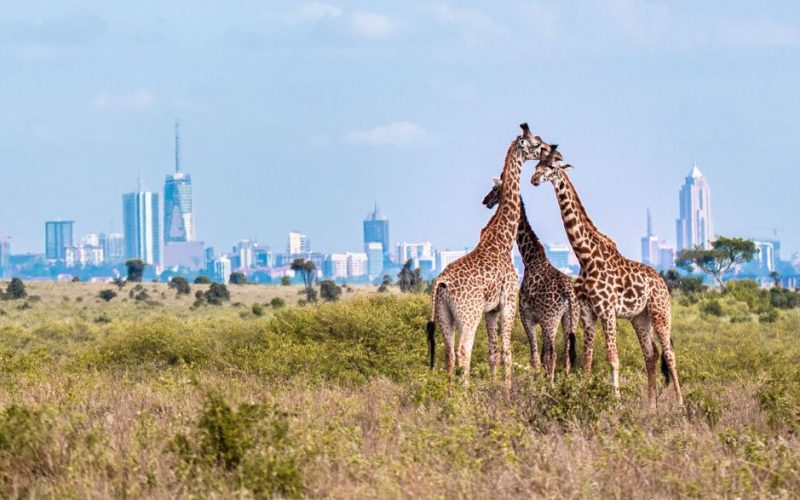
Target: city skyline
pixel 297 117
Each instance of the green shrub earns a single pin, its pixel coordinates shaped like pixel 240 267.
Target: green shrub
pixel 770 316
pixel 779 398
pixel 237 278
pixel 24 438
pixel 701 405
pixel 15 290
pixel 107 294
pixel 714 308
pixel 277 303
pixel 258 309
pixel 181 285
pixel 329 291
pixel 202 280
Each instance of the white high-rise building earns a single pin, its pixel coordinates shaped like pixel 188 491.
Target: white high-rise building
pixel 695 227
pixel 246 251
pixel 142 232
pixel 298 243
pixel 650 255
pixel 765 258
pixel 335 266
pixel 414 251
pixel 445 257
pixel 666 256
pixel 356 264
pixel 113 247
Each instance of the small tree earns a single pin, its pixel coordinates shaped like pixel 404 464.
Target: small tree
pixel 776 278
pixel 15 290
pixel 329 290
pixel 285 281
pixel 216 294
pixel 107 294
pixel 725 253
pixel 237 278
pixel 410 280
pixel 181 285
pixel 202 280
pixel 135 268
pixel 385 284
pixel 308 271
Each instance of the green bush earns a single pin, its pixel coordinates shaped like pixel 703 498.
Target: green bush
pixel 770 316
pixel 701 405
pixel 24 441
pixel 181 285
pixel 258 309
pixel 202 280
pixel 714 308
pixel 107 294
pixel 277 303
pixel 329 291
pixel 15 290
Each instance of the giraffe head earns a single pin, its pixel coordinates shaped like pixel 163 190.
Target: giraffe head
pixel 550 167
pixel 493 197
pixel 530 146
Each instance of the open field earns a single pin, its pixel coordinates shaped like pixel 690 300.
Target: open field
pixel 154 398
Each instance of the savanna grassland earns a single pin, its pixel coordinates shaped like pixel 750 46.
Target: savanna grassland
pixel 166 397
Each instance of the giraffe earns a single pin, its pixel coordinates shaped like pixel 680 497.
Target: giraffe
pixel 484 281
pixel 547 295
pixel 612 286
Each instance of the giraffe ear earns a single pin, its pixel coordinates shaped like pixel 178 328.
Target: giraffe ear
pixel 567 167
pixel 525 129
pixel 497 181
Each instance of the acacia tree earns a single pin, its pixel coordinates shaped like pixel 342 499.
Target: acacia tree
pixel 135 268
pixel 725 253
pixel 308 271
pixel 410 280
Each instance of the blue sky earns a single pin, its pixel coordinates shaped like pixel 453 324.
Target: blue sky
pixel 300 115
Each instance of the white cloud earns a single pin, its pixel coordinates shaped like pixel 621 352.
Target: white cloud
pixel 472 23
pixel 316 11
pixel 402 133
pixel 758 33
pixel 138 100
pixel 371 25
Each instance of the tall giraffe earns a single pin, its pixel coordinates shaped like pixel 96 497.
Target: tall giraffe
pixel 484 281
pixel 547 296
pixel 612 286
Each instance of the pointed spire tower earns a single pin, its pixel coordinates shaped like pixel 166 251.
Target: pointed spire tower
pixel 178 212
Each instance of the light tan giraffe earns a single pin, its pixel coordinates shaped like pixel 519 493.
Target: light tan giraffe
pixel 484 282
pixel 546 297
pixel 612 286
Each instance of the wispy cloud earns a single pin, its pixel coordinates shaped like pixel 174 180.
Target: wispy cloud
pixel 402 133
pixel 136 101
pixel 315 12
pixel 471 23
pixel 371 24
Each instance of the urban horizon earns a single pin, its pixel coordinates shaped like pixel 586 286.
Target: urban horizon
pixel 163 235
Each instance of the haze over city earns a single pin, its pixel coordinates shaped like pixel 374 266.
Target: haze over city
pixel 303 115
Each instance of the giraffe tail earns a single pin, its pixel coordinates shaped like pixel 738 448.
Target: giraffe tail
pixel 665 365
pixel 574 314
pixel 430 328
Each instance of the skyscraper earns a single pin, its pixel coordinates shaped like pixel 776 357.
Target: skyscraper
pixel 376 230
pixel 650 251
pixel 695 228
pixel 58 235
pixel 299 244
pixel 374 259
pixel 140 218
pixel 178 214
pixel 113 247
pixel 5 252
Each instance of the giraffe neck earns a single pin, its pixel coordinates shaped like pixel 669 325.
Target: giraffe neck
pixel 501 231
pixel 586 240
pixel 529 245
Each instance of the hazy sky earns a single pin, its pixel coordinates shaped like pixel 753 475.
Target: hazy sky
pixel 301 115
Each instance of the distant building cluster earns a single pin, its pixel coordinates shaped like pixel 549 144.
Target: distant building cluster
pixel 164 237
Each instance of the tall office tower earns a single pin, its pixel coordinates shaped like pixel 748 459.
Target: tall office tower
pixel 299 244
pixel 5 252
pixel 666 256
pixel 445 257
pixel 220 269
pixel 650 253
pixel 695 228
pixel 58 235
pixel 376 230
pixel 246 251
pixel 178 214
pixel 335 266
pixel 764 260
pixel 356 264
pixel 113 247
pixel 374 259
pixel 140 219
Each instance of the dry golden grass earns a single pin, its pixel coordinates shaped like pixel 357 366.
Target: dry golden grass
pixel 163 401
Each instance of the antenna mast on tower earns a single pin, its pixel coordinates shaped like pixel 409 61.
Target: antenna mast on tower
pixel 177 147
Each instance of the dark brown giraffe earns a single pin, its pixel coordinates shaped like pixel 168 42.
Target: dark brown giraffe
pixel 611 286
pixel 484 282
pixel 547 296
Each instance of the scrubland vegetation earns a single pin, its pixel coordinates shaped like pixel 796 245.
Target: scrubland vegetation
pixel 171 395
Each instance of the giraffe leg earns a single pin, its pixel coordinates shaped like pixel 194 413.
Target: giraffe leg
pixel 609 322
pixel 663 326
pixel 508 309
pixel 643 326
pixel 529 325
pixel 468 327
pixel 549 329
pixel 447 325
pixel 492 318
pixel 589 320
